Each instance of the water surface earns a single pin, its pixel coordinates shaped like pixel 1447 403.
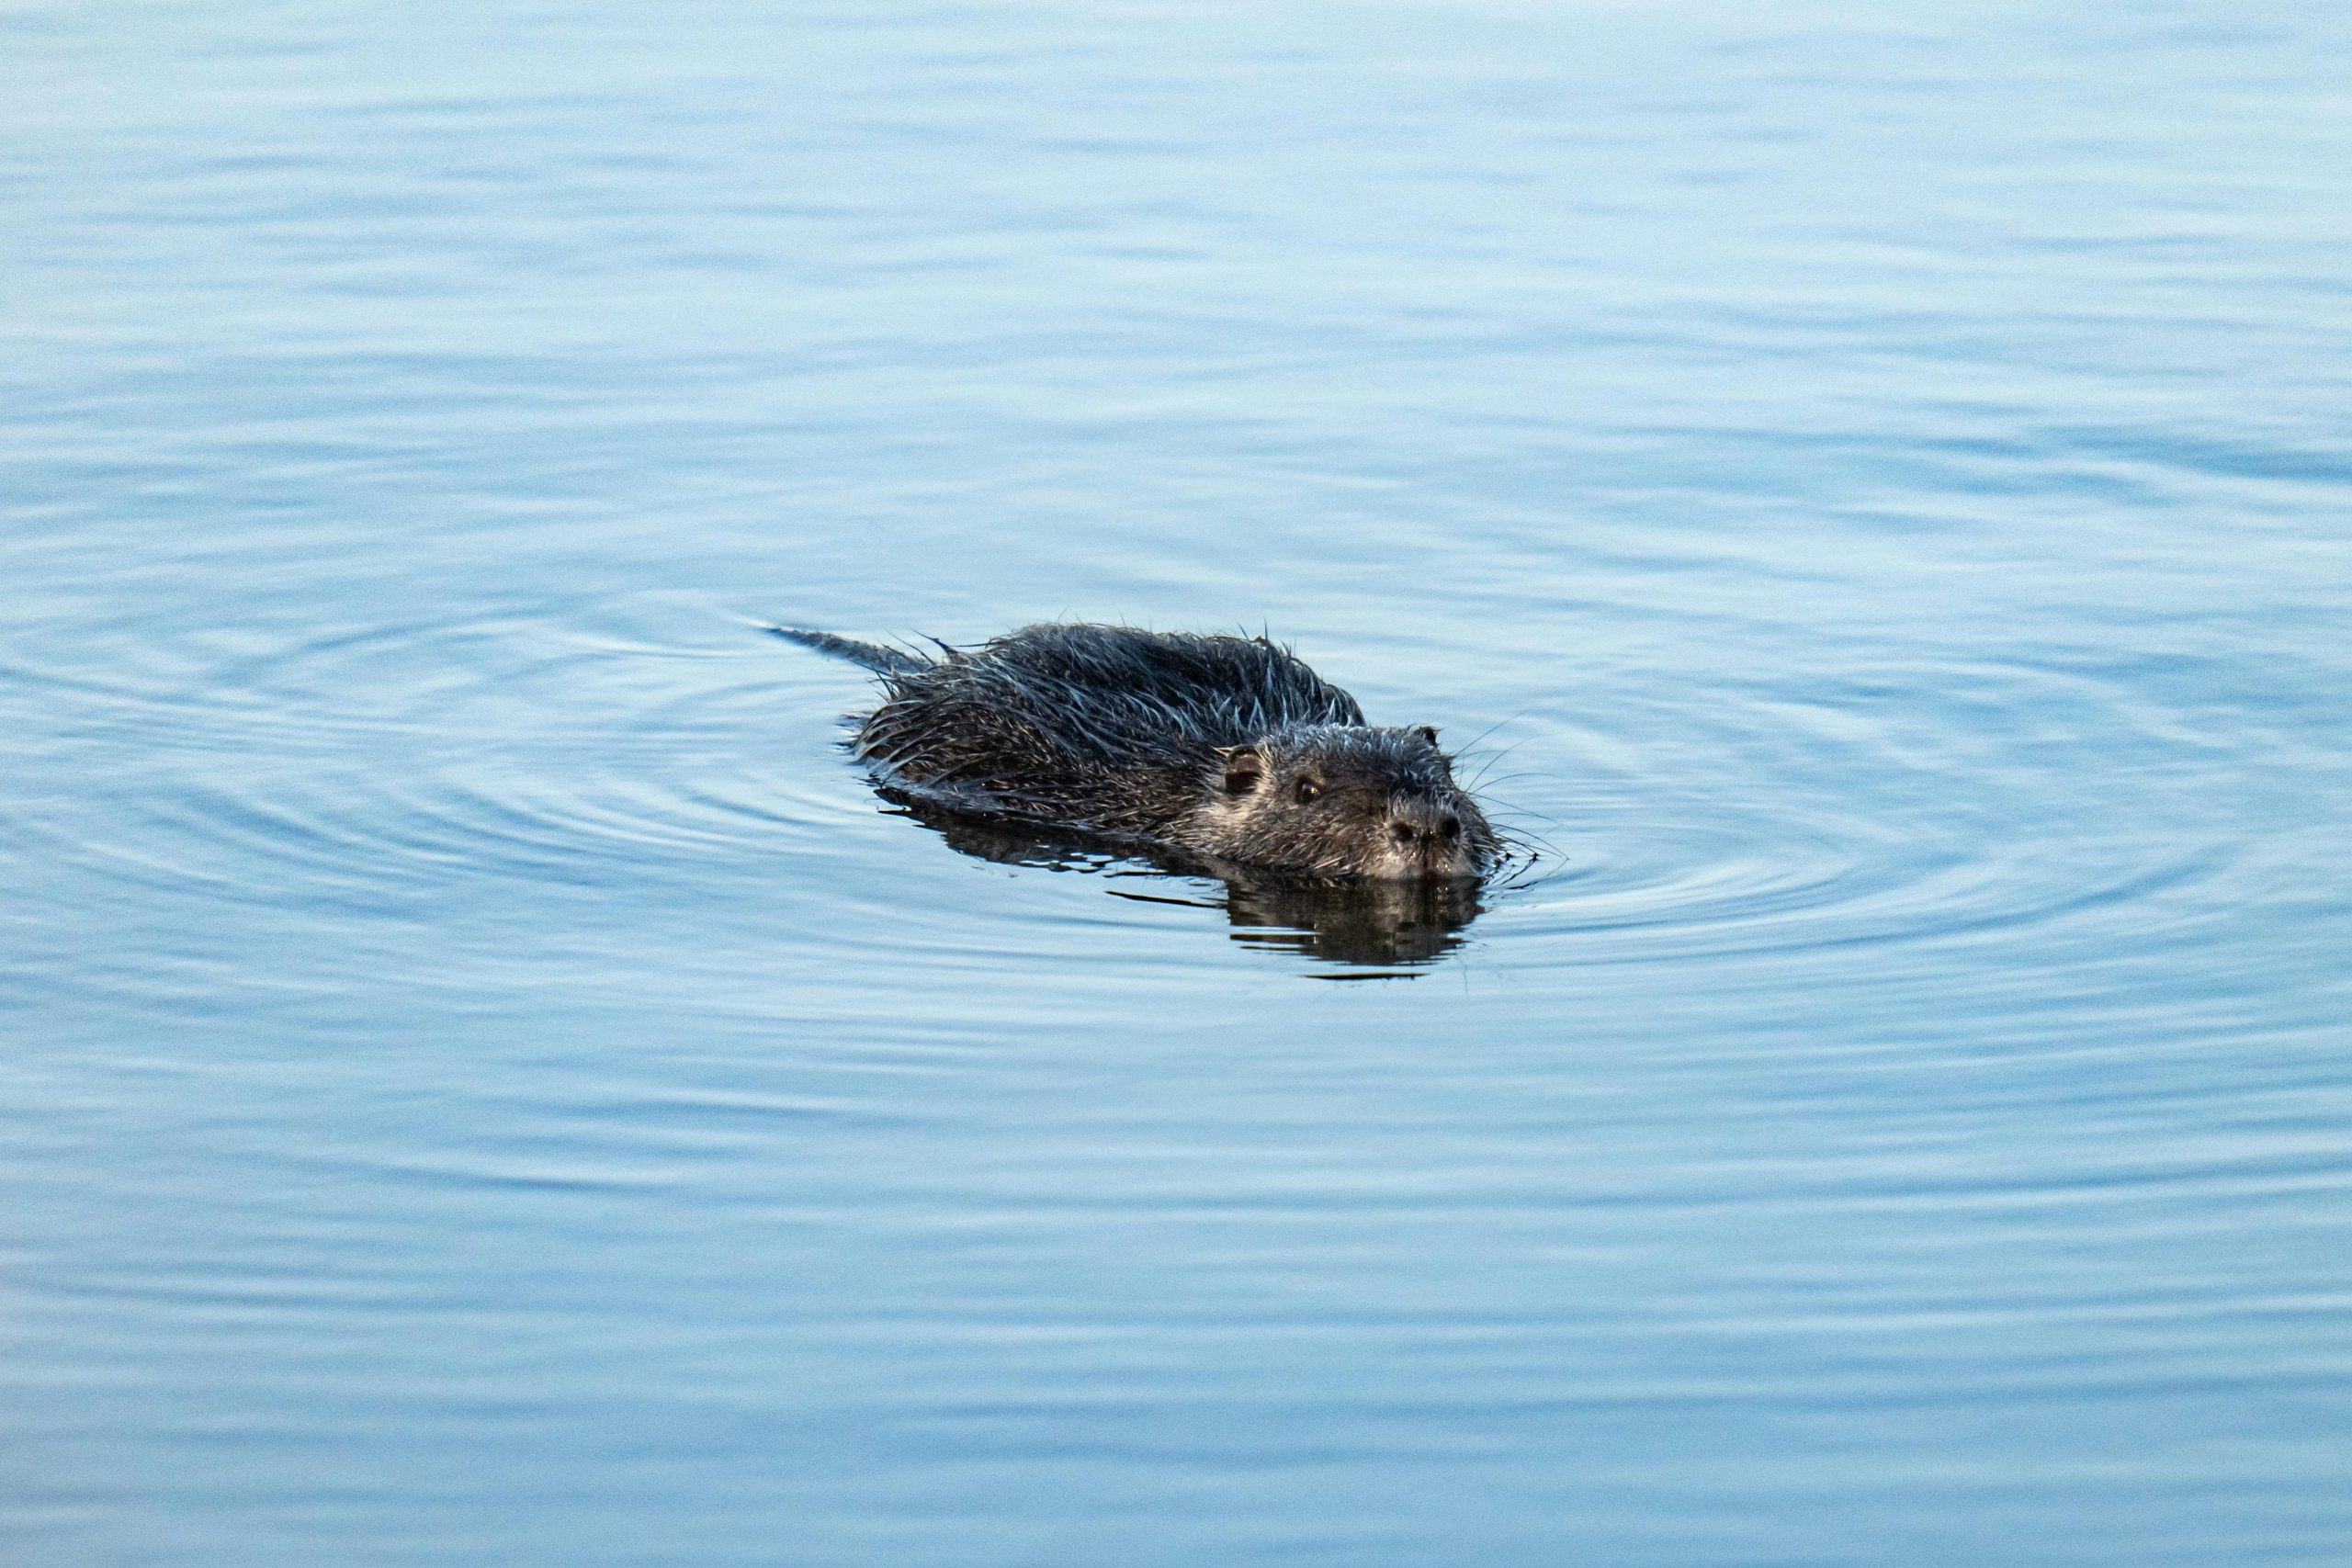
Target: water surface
pixel 487 1083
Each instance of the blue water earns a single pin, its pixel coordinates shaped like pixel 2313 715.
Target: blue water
pixel 485 1082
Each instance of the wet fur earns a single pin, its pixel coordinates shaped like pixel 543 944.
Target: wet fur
pixel 1197 741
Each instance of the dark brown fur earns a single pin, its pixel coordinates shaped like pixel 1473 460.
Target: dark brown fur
pixel 1229 748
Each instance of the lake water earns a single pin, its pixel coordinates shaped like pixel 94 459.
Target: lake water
pixel 485 1082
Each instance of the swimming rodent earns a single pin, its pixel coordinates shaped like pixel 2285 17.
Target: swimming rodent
pixel 1227 748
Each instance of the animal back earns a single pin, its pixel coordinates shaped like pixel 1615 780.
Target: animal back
pixel 1088 723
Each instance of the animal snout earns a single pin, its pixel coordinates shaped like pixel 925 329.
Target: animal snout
pixel 1445 827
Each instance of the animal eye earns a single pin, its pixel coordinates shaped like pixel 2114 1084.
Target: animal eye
pixel 1307 790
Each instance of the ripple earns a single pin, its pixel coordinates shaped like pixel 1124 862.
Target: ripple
pixel 584 743
pixel 1937 804
pixel 400 753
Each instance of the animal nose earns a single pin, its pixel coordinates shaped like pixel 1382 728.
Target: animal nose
pixel 1405 831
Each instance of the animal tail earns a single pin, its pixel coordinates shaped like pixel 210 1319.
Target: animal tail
pixel 873 655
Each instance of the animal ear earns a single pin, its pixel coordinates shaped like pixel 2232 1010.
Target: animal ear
pixel 1244 766
pixel 1429 732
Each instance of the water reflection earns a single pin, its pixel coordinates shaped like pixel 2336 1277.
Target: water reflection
pixel 1362 924
pixel 1368 928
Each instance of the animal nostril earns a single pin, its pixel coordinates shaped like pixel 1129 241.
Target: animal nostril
pixel 1403 832
pixel 1450 827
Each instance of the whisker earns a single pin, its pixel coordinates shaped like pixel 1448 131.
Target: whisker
pixel 1519 811
pixel 1488 765
pixel 1491 729
pixel 1533 838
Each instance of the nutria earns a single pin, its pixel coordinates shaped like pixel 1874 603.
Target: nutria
pixel 1227 748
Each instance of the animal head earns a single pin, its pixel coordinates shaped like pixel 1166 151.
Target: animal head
pixel 1347 800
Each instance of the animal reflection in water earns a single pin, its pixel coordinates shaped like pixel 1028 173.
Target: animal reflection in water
pixel 1369 925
